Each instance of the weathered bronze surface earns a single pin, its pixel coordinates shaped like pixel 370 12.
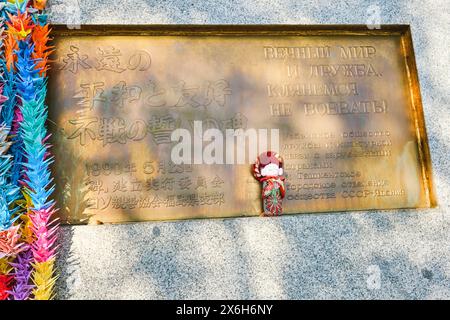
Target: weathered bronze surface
pixel 345 99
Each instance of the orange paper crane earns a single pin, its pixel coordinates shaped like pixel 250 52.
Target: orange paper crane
pixel 39 4
pixel 10 47
pixel 20 26
pixel 40 37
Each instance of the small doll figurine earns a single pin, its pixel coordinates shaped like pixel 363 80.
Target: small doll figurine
pixel 268 169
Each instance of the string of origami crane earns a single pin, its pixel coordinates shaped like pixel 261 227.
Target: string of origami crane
pixel 27 228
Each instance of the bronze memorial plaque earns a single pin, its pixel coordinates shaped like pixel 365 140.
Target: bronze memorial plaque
pixel 341 104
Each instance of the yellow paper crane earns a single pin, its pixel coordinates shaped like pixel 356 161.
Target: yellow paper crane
pixel 20 25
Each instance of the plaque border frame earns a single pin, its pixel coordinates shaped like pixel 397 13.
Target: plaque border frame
pixel 401 30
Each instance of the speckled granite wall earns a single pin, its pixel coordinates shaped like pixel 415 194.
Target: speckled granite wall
pixel 338 255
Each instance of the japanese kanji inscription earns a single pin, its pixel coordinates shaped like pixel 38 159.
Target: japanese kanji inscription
pixel 344 99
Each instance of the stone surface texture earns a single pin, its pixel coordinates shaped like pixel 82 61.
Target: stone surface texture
pixel 371 255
